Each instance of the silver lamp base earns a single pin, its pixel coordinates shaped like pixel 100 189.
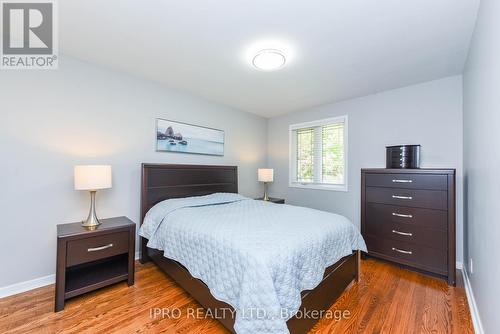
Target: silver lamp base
pixel 266 197
pixel 92 220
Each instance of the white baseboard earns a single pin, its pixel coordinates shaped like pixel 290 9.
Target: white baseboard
pixel 459 265
pixel 474 312
pixel 16 288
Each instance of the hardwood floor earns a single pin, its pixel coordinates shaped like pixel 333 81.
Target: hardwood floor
pixel 387 300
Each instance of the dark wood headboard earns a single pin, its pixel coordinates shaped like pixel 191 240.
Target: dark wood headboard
pixel 165 181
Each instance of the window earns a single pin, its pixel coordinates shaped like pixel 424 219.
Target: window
pixel 318 154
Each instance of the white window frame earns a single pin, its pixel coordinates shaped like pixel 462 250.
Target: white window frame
pixel 292 162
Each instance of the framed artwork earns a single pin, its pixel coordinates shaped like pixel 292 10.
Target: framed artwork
pixel 180 137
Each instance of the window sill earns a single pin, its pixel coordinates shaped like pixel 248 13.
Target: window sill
pixel 330 187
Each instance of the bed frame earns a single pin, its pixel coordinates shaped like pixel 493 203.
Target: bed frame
pixel 164 181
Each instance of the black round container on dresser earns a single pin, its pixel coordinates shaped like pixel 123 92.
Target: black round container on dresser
pixel 403 156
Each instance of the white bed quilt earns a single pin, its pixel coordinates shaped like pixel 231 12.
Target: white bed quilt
pixel 254 255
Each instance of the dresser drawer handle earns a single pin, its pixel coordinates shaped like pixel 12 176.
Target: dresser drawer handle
pixel 401 197
pixel 402 251
pixel 401 181
pixel 403 233
pixel 401 215
pixel 96 249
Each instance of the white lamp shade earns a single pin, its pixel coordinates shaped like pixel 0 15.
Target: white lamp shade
pixel 265 174
pixel 92 177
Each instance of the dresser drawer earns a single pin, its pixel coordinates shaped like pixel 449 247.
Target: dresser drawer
pixel 408 233
pixel 95 248
pixel 415 255
pixel 429 199
pixel 378 214
pixel 408 181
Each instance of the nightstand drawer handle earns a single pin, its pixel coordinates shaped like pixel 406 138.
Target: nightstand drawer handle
pixel 99 248
pixel 402 233
pixel 401 197
pixel 402 181
pixel 402 251
pixel 401 215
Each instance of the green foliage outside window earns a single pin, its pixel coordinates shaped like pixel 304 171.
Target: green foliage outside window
pixel 324 146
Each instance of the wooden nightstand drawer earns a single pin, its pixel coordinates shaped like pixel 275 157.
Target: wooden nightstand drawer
pixel 96 248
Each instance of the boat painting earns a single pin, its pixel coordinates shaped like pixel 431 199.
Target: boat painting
pixel 180 137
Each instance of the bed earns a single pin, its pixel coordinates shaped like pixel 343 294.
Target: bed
pixel 166 181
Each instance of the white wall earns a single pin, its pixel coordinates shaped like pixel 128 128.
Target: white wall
pixel 429 114
pixel 82 114
pixel 482 163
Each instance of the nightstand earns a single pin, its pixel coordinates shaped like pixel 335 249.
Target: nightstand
pixel 91 259
pixel 273 200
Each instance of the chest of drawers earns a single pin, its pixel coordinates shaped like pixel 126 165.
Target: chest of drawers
pixel 408 217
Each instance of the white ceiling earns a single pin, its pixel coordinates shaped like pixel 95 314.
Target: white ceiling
pixel 336 49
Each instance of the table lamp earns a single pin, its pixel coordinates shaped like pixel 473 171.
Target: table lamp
pixel 265 175
pixel 92 178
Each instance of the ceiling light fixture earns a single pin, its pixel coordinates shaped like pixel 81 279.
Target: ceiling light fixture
pixel 269 60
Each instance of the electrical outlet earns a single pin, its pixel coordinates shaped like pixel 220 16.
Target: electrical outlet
pixel 471 266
